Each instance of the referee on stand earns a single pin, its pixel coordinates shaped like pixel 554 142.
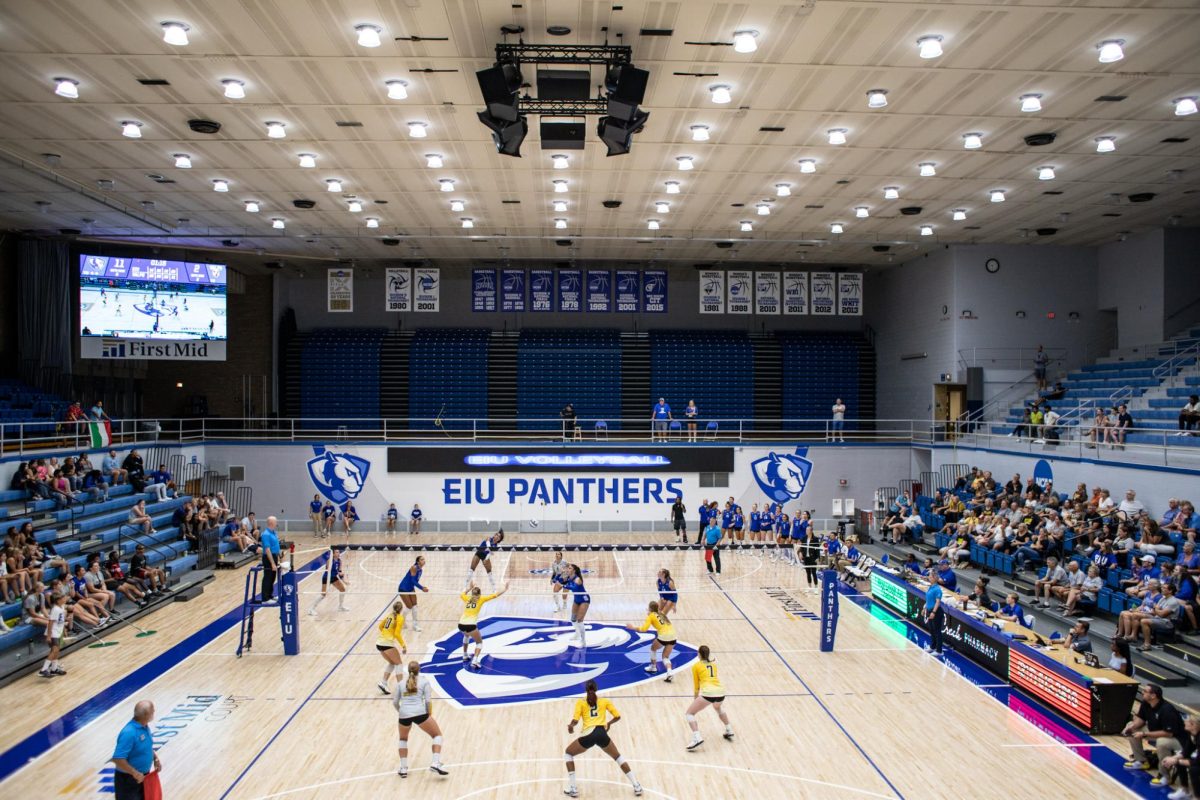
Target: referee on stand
pixel 935 617
pixel 270 558
pixel 134 757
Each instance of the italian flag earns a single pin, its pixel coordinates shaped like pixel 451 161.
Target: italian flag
pixel 101 433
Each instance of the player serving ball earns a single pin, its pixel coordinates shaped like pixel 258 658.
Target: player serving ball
pixel 390 644
pixel 483 555
pixel 593 712
pixel 334 576
pixel 408 589
pixel 664 638
pixel 468 623
pixel 707 690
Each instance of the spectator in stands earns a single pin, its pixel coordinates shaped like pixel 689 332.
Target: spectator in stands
pixel 1025 426
pixel 1190 559
pixel 1081 599
pixel 1055 577
pixel 1185 592
pixel 1163 618
pixel 569 424
pixel 60 490
pixel 660 417
pixel 243 541
pixel 910 525
pixel 139 518
pixel 1129 622
pixel 74 480
pixel 220 506
pixel 1131 507
pixel 139 567
pixel 112 469
pixel 692 414
pixel 1189 417
pixel 97 413
pixel 79 607
pixel 1120 658
pixel 1074 581
pixel 1122 425
pixel 250 525
pixel 135 471
pixel 1036 418
pixel 838 424
pixel 1078 640
pixel 1040 361
pixel 946 576
pixel 93 587
pixel 12 583
pixel 1142 573
pixel 958 549
pixel 1012 611
pixel 125 584
pixel 35 610
pixel 1171 513
pixel 159 481
pixel 952 509
pixel 1099 430
pixel 1104 558
pixel 1057 393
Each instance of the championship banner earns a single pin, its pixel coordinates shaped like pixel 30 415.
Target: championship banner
pixel 741 292
pixel 512 290
pixel 483 290
pixel 850 295
pixel 766 293
pixel 795 293
pixel 428 289
pixel 823 294
pixel 654 291
pixel 340 291
pixel 629 290
pixel 829 609
pixel 541 290
pixel 570 290
pixel 712 291
pixel 398 289
pixel 599 290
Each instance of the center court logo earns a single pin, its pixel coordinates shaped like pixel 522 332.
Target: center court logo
pixel 782 476
pixel 531 659
pixel 338 476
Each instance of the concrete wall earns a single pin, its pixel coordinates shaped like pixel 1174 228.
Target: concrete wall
pixel 1181 279
pixel 1131 283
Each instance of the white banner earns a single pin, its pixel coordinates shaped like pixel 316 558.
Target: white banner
pixel 766 293
pixel 741 292
pixel 850 294
pixel 427 289
pixel 795 293
pixel 114 348
pixel 398 289
pixel 340 297
pixel 712 291
pixel 823 294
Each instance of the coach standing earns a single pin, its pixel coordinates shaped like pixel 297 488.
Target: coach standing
pixel 270 558
pixel 935 617
pixel 134 756
pixel 660 417
pixel 679 518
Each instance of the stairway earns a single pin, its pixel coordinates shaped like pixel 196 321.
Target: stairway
pixel 636 392
pixel 393 378
pixel 768 383
pixel 502 381
pixel 866 386
pixel 291 383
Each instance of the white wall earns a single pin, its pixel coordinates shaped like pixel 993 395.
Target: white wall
pixel 1131 283
pixel 1181 279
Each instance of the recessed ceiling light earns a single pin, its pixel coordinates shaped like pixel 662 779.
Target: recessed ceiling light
pixel 862 212
pixel 746 226
pixel 175 33
pixel 927 230
pixel 220 186
pixel 1045 173
pixel 783 190
pixel 764 209
pixel 1184 106
pixel 560 161
pixel 418 130
pixel 1111 50
pixel 891 193
pixel 132 130
pixel 446 184
pixel 368 35
pixel 877 98
pixel 836 227
pixel 183 161
pixel 807 165
pixel 699 133
pixel 929 46
pixel 560 186
pixel 684 162
pixel 959 214
pixel 252 206
pixel 652 224
pixel 1031 102
pixel 308 160
pixel 745 41
pixel 662 207
pixel 1106 144
pixel 467 222
pixel 234 89
pixel 333 185
pixel 559 206
pixel 355 206
pixel 972 141
pixel 66 87
pixel 560 223
pixel 837 135
pixel 433 160
pixel 278 224
pixel 275 130
pixel 372 222
pixel 397 90
pixel 458 205
pixel 927 169
pixel 720 93
pixel 996 195
pixel 672 187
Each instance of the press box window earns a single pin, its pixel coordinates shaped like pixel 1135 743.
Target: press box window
pixel 714 480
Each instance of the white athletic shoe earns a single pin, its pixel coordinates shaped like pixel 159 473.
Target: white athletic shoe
pixel 728 736
pixel 343 608
pixel 440 769
pixel 650 670
pixel 695 744
pixel 417 628
pixel 383 687
pixel 569 792
pixel 402 772
pixel 312 612
pixel 637 790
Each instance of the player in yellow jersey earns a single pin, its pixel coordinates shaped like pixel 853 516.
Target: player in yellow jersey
pixel 707 691
pixel 592 712
pixel 390 644
pixel 468 623
pixel 664 638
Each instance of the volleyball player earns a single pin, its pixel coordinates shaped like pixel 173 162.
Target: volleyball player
pixel 707 690
pixel 334 575
pixel 349 517
pixel 468 623
pixel 390 644
pixel 408 589
pixel 314 513
pixel 664 638
pixel 414 705
pixel 483 555
pixel 755 522
pixel 801 525
pixel 783 542
pixel 558 580
pixel 736 523
pixel 668 595
pixel 414 519
pixel 580 602
pixel 54 636
pixel 592 713
pixel 328 514
pixel 392 515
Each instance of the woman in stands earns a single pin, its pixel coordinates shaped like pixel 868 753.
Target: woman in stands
pixel 692 414
pixel 126 586
pixel 413 702
pixel 35 610
pixel 664 638
pixel 408 589
pixel 668 595
pixel 78 607
pixel 707 690
pixel 593 713
pixel 335 575
pixel 1099 431
pixel 390 644
pixel 468 624
pixel 1119 658
pixel 483 555
pixel 12 583
pixel 581 601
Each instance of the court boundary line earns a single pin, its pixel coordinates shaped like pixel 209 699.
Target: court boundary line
pixel 807 688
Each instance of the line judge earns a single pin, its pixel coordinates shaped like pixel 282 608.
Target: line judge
pixel 134 758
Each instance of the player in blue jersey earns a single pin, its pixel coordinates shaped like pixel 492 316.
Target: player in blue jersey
pixel 737 523
pixel 483 555
pixel 668 595
pixel 726 519
pixel 580 602
pixel 328 515
pixel 558 580
pixel 335 575
pixel 414 520
pixel 408 590
pixel 800 526
pixel 390 517
pixel 314 513
pixel 703 514
pixel 783 539
pixel 755 522
pixel 349 517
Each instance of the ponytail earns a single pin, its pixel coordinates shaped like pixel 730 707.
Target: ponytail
pixel 592 700
pixel 704 653
pixel 397 608
pixel 667 575
pixel 414 669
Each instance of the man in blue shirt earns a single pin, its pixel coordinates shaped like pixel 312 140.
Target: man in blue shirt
pixel 1012 610
pixel 270 558
pixel 97 412
pixel 134 754
pixel 112 468
pixel 934 616
pixel 712 547
pixel 661 418
pixel 946 576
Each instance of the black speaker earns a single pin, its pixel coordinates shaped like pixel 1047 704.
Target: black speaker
pixel 617 134
pixel 564 84
pixel 500 85
pixel 563 135
pixel 507 136
pixel 626 90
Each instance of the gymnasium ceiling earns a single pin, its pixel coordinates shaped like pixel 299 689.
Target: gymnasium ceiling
pixel 815 62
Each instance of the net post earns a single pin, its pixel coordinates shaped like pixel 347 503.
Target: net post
pixel 829 609
pixel 289 602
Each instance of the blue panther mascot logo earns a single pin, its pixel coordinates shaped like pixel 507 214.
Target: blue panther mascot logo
pixel 338 476
pixel 781 476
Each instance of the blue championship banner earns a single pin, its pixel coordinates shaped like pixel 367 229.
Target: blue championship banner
pixel 483 290
pixel 289 618
pixel 599 290
pixel 654 291
pixel 512 290
pixel 570 290
pixel 829 609
pixel 629 290
pixel 541 290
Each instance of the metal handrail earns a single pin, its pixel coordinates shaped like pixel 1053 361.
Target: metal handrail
pixel 1000 398
pixel 121 530
pixel 979 356
pixel 1167 368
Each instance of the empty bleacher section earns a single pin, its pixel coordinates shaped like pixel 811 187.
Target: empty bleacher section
pixel 556 367
pixel 38 411
pixel 339 372
pixel 714 368
pixel 818 368
pixel 448 378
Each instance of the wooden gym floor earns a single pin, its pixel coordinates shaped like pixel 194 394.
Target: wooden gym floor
pixel 877 718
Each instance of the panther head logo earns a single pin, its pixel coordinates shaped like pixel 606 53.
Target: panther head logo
pixel 529 660
pixel 338 476
pixel 783 477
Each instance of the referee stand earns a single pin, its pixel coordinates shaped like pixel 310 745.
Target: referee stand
pixel 286 599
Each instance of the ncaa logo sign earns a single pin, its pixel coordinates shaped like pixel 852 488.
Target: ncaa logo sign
pixel 1043 474
pixel 338 476
pixel 530 660
pixel 781 476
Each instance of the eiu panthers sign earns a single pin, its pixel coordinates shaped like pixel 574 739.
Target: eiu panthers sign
pixel 338 476
pixel 781 476
pixel 531 659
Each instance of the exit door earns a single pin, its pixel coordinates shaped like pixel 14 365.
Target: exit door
pixel 949 407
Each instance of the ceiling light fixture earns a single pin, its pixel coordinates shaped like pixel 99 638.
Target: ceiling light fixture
pixel 560 206
pixel 467 222
pixel 560 223
pixel 1106 144
pixel 927 230
pixel 183 161
pixel 368 35
pixel 783 190
pixel 862 212
pixel 234 89
pixel 808 165
pixel 175 33
pixel 458 205
pixel 1184 106
pixel 275 130
pixel 672 187
pixel 1031 102
pixel 891 193
pixel 996 195
pixel 684 162
pixel 972 141
pixel 837 135
pixel 355 207
pixel 662 207
pixel 446 184
pixel 66 87
pixel 1045 173
pixel 560 161
pixel 929 46
pixel 764 209
pixel 877 98
pixel 927 169
pixel 252 206
pixel 652 224
pixel 560 186
pixel 433 161
pixel 278 224
pixel 746 226
pixel 132 130
pixel 1111 50
pixel 418 130
pixel 308 160
pixel 720 93
pixel 745 41
pixel 699 133
pixel 836 227
pixel 959 214
pixel 372 222
pixel 333 185
pixel 397 90
pixel 220 186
